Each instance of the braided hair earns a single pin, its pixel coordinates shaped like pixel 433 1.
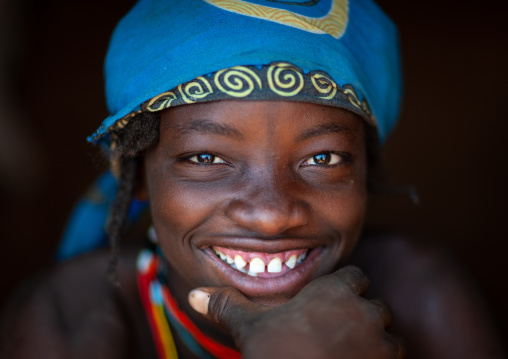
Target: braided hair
pixel 129 144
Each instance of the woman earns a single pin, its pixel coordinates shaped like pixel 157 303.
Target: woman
pixel 251 128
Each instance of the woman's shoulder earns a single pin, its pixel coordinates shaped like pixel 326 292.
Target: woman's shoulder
pixel 73 308
pixel 438 308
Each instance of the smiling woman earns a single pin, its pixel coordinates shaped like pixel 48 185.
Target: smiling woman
pixel 255 151
pixel 263 197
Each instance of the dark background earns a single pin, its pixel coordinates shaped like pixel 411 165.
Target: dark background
pixel 450 143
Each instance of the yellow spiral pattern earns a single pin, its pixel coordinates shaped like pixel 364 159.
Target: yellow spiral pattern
pixel 353 98
pixel 324 85
pixel 284 79
pixel 238 81
pixel 195 90
pixel 277 79
pixel 334 23
pixel 161 102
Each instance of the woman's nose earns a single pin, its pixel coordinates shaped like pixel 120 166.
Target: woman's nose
pixel 268 211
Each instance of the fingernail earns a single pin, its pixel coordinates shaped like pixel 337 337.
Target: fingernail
pixel 198 300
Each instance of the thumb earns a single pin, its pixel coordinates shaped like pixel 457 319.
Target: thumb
pixel 225 306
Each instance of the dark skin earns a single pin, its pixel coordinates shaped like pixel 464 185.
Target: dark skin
pixel 265 177
pixel 269 152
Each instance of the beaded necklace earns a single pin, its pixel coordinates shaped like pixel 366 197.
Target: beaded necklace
pixel 162 311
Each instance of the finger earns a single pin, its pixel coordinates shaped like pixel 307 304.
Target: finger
pixel 354 278
pixel 383 310
pixel 224 305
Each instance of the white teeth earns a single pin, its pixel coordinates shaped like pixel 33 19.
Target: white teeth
pixel 239 262
pixel 275 265
pixel 224 257
pixel 291 262
pixel 233 265
pixel 257 265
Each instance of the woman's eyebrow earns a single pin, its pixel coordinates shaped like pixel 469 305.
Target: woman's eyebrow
pixel 324 130
pixel 208 127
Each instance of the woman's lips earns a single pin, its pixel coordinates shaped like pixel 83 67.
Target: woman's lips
pixel 287 282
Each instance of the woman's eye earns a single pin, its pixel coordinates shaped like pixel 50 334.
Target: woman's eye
pixel 325 159
pixel 206 158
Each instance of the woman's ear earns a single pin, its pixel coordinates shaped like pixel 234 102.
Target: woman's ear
pixel 141 189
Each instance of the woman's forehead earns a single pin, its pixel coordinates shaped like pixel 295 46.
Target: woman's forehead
pixel 238 118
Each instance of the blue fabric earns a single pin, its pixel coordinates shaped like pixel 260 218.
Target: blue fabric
pixel 160 44
pixel 85 229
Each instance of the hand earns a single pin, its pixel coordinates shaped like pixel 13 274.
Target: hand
pixel 328 318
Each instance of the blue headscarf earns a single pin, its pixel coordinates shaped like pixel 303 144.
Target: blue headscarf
pixel 348 48
pixel 166 53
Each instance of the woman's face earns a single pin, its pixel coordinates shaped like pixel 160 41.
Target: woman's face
pixel 275 188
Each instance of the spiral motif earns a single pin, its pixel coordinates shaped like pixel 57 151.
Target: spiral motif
pixel 324 85
pixel 161 102
pixel 237 81
pixel 195 90
pixel 267 82
pixel 284 79
pixel 353 97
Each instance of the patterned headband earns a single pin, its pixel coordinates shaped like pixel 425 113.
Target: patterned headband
pixel 166 53
pixel 277 81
